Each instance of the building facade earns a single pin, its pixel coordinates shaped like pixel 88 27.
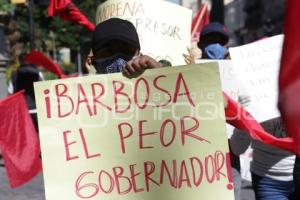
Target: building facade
pixel 249 21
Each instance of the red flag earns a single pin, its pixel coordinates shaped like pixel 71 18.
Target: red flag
pixel 18 140
pixel 200 20
pixel 237 116
pixel 69 12
pixel 289 78
pixel 57 6
pixel 38 58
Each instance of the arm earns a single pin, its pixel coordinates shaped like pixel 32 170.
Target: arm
pixel 190 57
pixel 239 142
pixel 138 64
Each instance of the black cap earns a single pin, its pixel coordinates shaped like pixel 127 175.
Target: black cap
pixel 114 29
pixel 215 27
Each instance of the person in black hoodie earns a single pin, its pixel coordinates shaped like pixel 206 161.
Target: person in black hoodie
pixel 116 48
pixel 23 79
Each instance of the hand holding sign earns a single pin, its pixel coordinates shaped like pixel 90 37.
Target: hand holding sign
pixel 138 64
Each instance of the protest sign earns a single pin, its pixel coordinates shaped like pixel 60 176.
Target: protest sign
pixel 158 136
pixel 257 68
pixel 229 83
pixel 18 1
pixel 163 35
pixel 232 87
pixel 228 78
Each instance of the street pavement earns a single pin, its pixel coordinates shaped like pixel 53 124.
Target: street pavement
pixel 34 190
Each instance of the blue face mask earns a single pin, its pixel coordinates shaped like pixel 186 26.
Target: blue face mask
pixel 215 51
pixel 111 64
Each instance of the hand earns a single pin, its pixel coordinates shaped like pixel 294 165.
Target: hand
pixel 88 61
pixel 244 100
pixel 138 64
pixel 189 58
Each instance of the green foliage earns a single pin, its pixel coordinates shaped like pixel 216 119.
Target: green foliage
pixel 68 68
pixel 6 6
pixel 49 76
pixel 67 34
pixel 50 31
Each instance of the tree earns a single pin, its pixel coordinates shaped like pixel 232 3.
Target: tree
pixel 53 32
pixel 67 34
pixel 5 6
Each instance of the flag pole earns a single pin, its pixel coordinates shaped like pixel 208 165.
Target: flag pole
pixel 199 18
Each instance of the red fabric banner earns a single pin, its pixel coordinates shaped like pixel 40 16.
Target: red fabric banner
pixel 69 12
pixel 289 77
pixel 38 58
pixel 18 140
pixel 238 117
pixel 200 20
pixel 57 6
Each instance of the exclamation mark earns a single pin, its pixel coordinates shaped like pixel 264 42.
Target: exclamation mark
pixel 229 174
pixel 47 101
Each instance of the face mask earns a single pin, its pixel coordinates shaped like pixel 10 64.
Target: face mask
pixel 215 51
pixel 111 64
